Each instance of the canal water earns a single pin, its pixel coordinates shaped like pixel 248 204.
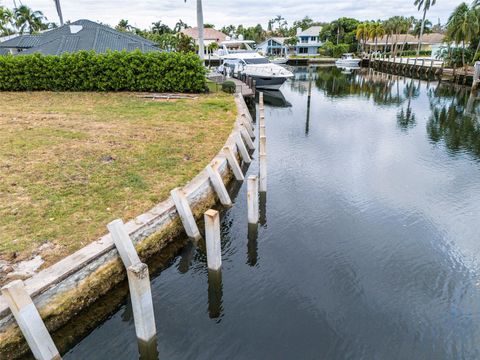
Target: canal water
pixel 369 242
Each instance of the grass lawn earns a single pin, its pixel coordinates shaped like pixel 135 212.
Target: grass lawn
pixel 72 162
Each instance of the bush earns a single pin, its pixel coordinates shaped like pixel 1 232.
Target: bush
pixel 330 49
pixel 229 87
pixel 111 71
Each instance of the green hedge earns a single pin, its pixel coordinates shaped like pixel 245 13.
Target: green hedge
pixel 112 71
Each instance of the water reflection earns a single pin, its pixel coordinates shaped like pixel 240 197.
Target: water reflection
pixel 406 116
pixel 252 245
pixel 215 294
pixel 148 350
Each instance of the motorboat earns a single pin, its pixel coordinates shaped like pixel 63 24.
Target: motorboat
pixel 348 60
pixel 279 60
pixel 238 58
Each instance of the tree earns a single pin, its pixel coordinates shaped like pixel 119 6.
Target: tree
pixel 6 21
pixel 376 30
pixel 362 33
pixel 427 28
pixel 159 28
pixel 123 25
pixel 201 45
pixel 179 26
pixel 425 4
pixel 303 24
pixel 27 19
pixel 463 26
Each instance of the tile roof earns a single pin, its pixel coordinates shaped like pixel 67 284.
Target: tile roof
pixel 434 38
pixel 208 33
pixel 80 35
pixel 311 31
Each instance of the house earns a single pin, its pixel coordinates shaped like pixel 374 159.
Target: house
pixel 210 36
pixel 308 41
pixel 430 42
pixel 273 46
pixel 76 36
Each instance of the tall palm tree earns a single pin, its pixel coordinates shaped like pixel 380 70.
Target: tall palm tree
pixel 389 27
pixel 463 25
pixel 376 30
pixel 362 34
pixel 26 18
pixel 59 11
pixel 201 45
pixel 425 4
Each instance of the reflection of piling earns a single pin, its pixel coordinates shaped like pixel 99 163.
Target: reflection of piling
pixel 252 199
pixel 148 350
pixel 310 79
pixel 29 321
pixel 138 282
pixel 212 239
pixel 262 205
pixel 252 245
pixel 215 294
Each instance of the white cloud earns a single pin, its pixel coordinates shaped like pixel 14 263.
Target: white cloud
pixel 142 13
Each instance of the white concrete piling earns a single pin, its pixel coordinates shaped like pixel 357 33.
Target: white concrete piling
pixel 244 122
pixel 234 165
pixel 219 186
pixel 246 119
pixel 185 213
pixel 262 131
pixel 212 239
pixel 29 321
pixel 242 149
pixel 246 138
pixel 142 303
pixel 123 243
pixel 263 164
pixel 252 199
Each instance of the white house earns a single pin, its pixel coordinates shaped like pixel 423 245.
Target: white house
pixel 273 46
pixel 308 41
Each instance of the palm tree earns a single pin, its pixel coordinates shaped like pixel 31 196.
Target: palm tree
pixel 463 25
pixel 6 20
pixel 26 18
pixel 59 11
pixel 179 26
pixel 376 30
pixel 425 4
pixel 201 45
pixel 389 28
pixel 362 34
pixel 406 27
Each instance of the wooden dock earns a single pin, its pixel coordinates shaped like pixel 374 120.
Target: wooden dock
pixel 242 88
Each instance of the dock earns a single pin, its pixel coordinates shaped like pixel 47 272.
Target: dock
pixel 242 88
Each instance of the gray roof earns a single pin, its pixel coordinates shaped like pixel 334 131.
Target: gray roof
pixel 80 35
pixel 311 31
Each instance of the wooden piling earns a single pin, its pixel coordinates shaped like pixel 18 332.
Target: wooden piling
pixel 252 199
pixel 212 239
pixel 142 303
pixel 233 163
pixel 29 321
pixel 219 186
pixel 185 213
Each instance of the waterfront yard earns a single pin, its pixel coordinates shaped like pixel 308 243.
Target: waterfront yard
pixel 72 162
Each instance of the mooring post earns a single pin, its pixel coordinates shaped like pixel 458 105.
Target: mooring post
pixel 142 303
pixel 262 130
pixel 234 165
pixel 263 164
pixel 138 282
pixel 219 186
pixel 123 243
pixel 252 199
pixel 29 321
pixel 212 239
pixel 185 213
pixel 242 148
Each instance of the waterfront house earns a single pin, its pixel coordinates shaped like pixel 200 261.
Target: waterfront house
pixel 210 36
pixel 308 41
pixel 430 42
pixel 76 36
pixel 274 46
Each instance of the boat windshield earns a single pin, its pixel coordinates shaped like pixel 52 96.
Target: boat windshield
pixel 255 61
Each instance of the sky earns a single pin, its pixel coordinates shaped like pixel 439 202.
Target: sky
pixel 141 13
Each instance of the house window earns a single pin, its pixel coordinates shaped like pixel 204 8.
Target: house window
pixel 303 50
pixel 313 38
pixel 304 40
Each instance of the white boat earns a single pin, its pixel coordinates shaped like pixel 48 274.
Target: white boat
pixel 239 58
pixel 279 60
pixel 347 60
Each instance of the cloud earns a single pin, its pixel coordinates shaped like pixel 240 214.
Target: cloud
pixel 248 12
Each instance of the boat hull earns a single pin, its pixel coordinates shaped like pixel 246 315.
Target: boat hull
pixel 272 83
pixel 348 63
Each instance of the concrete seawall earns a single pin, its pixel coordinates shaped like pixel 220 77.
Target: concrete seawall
pixel 71 285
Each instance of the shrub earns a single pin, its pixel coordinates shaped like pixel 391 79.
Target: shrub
pixel 111 71
pixel 229 87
